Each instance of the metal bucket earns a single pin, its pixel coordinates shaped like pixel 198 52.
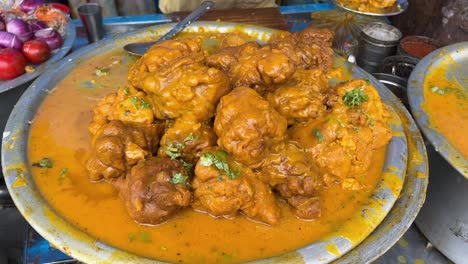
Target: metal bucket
pixel 80 245
pixel 376 42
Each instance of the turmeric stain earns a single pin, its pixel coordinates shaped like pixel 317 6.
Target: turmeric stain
pixel 20 182
pixel 332 249
pixel 393 182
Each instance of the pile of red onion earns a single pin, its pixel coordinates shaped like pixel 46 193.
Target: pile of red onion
pixel 16 33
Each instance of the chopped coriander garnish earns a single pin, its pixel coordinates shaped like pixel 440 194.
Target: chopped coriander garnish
pixel 179 178
pixel 142 237
pixel 187 166
pixel 44 163
pixel 459 93
pixel 190 137
pixel 354 98
pixel 101 71
pixel 219 161
pixel 318 135
pixel 63 174
pixel 134 101
pixel 172 151
pixel 125 90
pixel 144 104
pixel 356 129
pixel 438 90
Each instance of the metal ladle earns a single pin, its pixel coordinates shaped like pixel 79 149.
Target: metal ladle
pixel 138 49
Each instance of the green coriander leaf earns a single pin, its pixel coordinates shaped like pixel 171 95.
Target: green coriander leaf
pixel 179 178
pixel 438 90
pixel 101 71
pixel 219 161
pixel 222 155
pixel 144 104
pixel 190 137
pixel 141 237
pixel 134 101
pixel 44 163
pixel 125 90
pixel 207 159
pixel 63 174
pixel 187 166
pixel 318 135
pixel 354 98
pixel 356 129
pixel 172 152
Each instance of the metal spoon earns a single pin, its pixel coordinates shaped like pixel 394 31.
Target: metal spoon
pixel 138 49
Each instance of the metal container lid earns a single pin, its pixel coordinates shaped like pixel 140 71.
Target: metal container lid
pixel 381 34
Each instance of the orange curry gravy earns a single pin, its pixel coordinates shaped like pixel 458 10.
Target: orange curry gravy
pixel 59 132
pixel 446 103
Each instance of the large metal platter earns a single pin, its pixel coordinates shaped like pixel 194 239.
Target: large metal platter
pixel 400 7
pixel 51 63
pixel 459 54
pixel 81 246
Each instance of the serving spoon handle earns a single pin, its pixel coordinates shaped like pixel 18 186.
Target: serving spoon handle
pixel 138 49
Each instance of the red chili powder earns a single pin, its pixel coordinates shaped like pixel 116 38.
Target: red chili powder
pixel 417 48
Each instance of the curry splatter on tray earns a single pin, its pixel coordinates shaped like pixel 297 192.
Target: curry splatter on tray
pixel 205 150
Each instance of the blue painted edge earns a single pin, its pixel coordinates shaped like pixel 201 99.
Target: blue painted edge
pixel 307 8
pixel 161 18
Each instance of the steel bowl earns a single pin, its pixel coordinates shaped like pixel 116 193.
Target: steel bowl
pixel 459 54
pixel 81 246
pixel 444 219
pixel 52 62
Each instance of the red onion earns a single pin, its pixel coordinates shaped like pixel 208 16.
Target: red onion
pixel 19 28
pixel 29 5
pixel 49 36
pixel 2 24
pixel 37 24
pixel 10 40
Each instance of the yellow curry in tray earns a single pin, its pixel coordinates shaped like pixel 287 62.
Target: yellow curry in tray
pixel 371 6
pixel 446 103
pixel 211 155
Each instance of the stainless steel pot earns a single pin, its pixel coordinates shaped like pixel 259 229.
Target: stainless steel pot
pixel 80 245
